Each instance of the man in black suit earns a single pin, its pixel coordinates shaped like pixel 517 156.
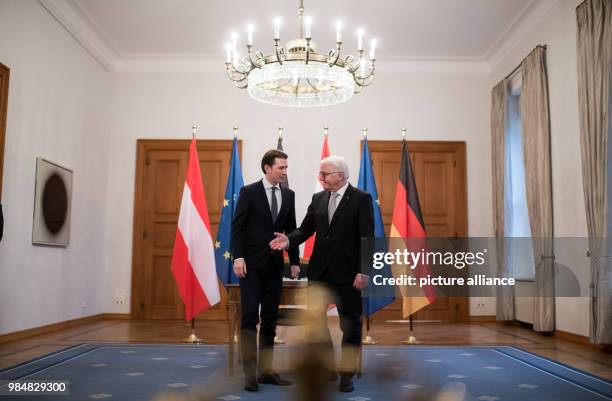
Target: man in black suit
pixel 341 216
pixel 264 207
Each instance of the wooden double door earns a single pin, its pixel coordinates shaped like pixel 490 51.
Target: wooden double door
pixel 160 178
pixel 440 174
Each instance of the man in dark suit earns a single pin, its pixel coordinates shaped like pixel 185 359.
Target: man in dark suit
pixel 264 207
pixel 341 216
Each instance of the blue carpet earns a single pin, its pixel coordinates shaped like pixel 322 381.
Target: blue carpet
pixel 138 372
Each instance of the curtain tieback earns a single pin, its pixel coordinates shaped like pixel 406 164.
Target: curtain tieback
pixel 598 260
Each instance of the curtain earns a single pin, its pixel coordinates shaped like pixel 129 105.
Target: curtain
pixel 499 99
pixel 535 123
pixel 594 51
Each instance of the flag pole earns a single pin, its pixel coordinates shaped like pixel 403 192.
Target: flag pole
pixel 367 340
pixel 411 340
pixel 278 339
pixel 220 236
pixel 235 137
pixel 193 338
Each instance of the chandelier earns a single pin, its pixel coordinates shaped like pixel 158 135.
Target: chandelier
pixel 299 76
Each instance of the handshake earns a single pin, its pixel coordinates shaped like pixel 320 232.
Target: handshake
pixel 280 242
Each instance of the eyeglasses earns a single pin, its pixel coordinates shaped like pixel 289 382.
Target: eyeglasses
pixel 323 174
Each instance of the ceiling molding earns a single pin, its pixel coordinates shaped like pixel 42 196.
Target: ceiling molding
pixel 410 65
pixel 528 20
pixel 521 16
pixel 87 32
pixel 167 64
pixel 83 29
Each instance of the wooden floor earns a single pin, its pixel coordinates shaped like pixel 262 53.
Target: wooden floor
pixel 584 357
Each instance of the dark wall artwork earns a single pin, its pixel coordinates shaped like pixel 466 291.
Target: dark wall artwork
pixel 52 201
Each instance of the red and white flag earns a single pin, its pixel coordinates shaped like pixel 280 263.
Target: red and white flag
pixel 193 259
pixel 309 245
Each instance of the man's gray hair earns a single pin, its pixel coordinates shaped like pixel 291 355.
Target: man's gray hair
pixel 339 163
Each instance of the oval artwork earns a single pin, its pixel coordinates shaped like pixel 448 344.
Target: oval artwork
pixel 54 203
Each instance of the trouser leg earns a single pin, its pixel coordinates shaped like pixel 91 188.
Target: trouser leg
pixel 350 312
pixel 271 291
pixel 320 296
pixel 250 297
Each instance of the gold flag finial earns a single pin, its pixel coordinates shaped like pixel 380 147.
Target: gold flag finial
pixel 325 131
pixel 404 133
pixel 280 131
pixel 365 132
pixel 194 129
pixel 235 131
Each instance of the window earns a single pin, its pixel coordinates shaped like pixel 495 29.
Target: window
pixel 519 252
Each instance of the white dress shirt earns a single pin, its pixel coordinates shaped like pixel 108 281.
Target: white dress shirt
pixel 268 187
pixel 340 192
pixel 279 198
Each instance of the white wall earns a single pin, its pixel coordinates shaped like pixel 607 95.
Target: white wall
pixel 433 106
pixel 59 108
pixel 557 30
pixel 65 107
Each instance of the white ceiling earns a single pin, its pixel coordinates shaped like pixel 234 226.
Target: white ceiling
pixel 427 30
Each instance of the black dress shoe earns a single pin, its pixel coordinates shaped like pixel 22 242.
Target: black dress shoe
pixel 250 384
pixel 346 384
pixel 273 378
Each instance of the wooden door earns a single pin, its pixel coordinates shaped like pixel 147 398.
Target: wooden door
pixel 440 174
pixel 160 178
pixel 4 87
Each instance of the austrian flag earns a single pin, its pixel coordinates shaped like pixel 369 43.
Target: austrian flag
pixel 309 245
pixel 193 259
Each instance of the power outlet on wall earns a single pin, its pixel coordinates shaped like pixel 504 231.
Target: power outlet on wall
pixel 481 303
pixel 119 297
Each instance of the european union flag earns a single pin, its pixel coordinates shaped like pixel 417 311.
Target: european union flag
pixel 378 297
pixel 223 257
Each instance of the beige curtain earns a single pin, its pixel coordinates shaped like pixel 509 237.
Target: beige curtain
pixel 535 124
pixel 499 107
pixel 594 50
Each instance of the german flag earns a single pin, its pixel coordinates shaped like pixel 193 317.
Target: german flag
pixel 409 229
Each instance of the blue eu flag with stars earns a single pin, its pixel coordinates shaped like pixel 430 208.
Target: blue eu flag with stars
pixel 223 257
pixel 377 298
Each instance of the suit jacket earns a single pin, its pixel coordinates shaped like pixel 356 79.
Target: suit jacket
pixel 338 243
pixel 252 228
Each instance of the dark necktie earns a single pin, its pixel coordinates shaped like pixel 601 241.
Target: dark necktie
pixel 274 205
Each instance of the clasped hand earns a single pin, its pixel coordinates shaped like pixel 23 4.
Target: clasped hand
pixel 280 242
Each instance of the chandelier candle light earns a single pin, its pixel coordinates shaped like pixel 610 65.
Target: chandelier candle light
pixel 300 77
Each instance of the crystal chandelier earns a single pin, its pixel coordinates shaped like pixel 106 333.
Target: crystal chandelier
pixel 299 76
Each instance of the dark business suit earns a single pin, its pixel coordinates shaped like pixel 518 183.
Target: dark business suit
pixel 335 259
pixel 252 231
